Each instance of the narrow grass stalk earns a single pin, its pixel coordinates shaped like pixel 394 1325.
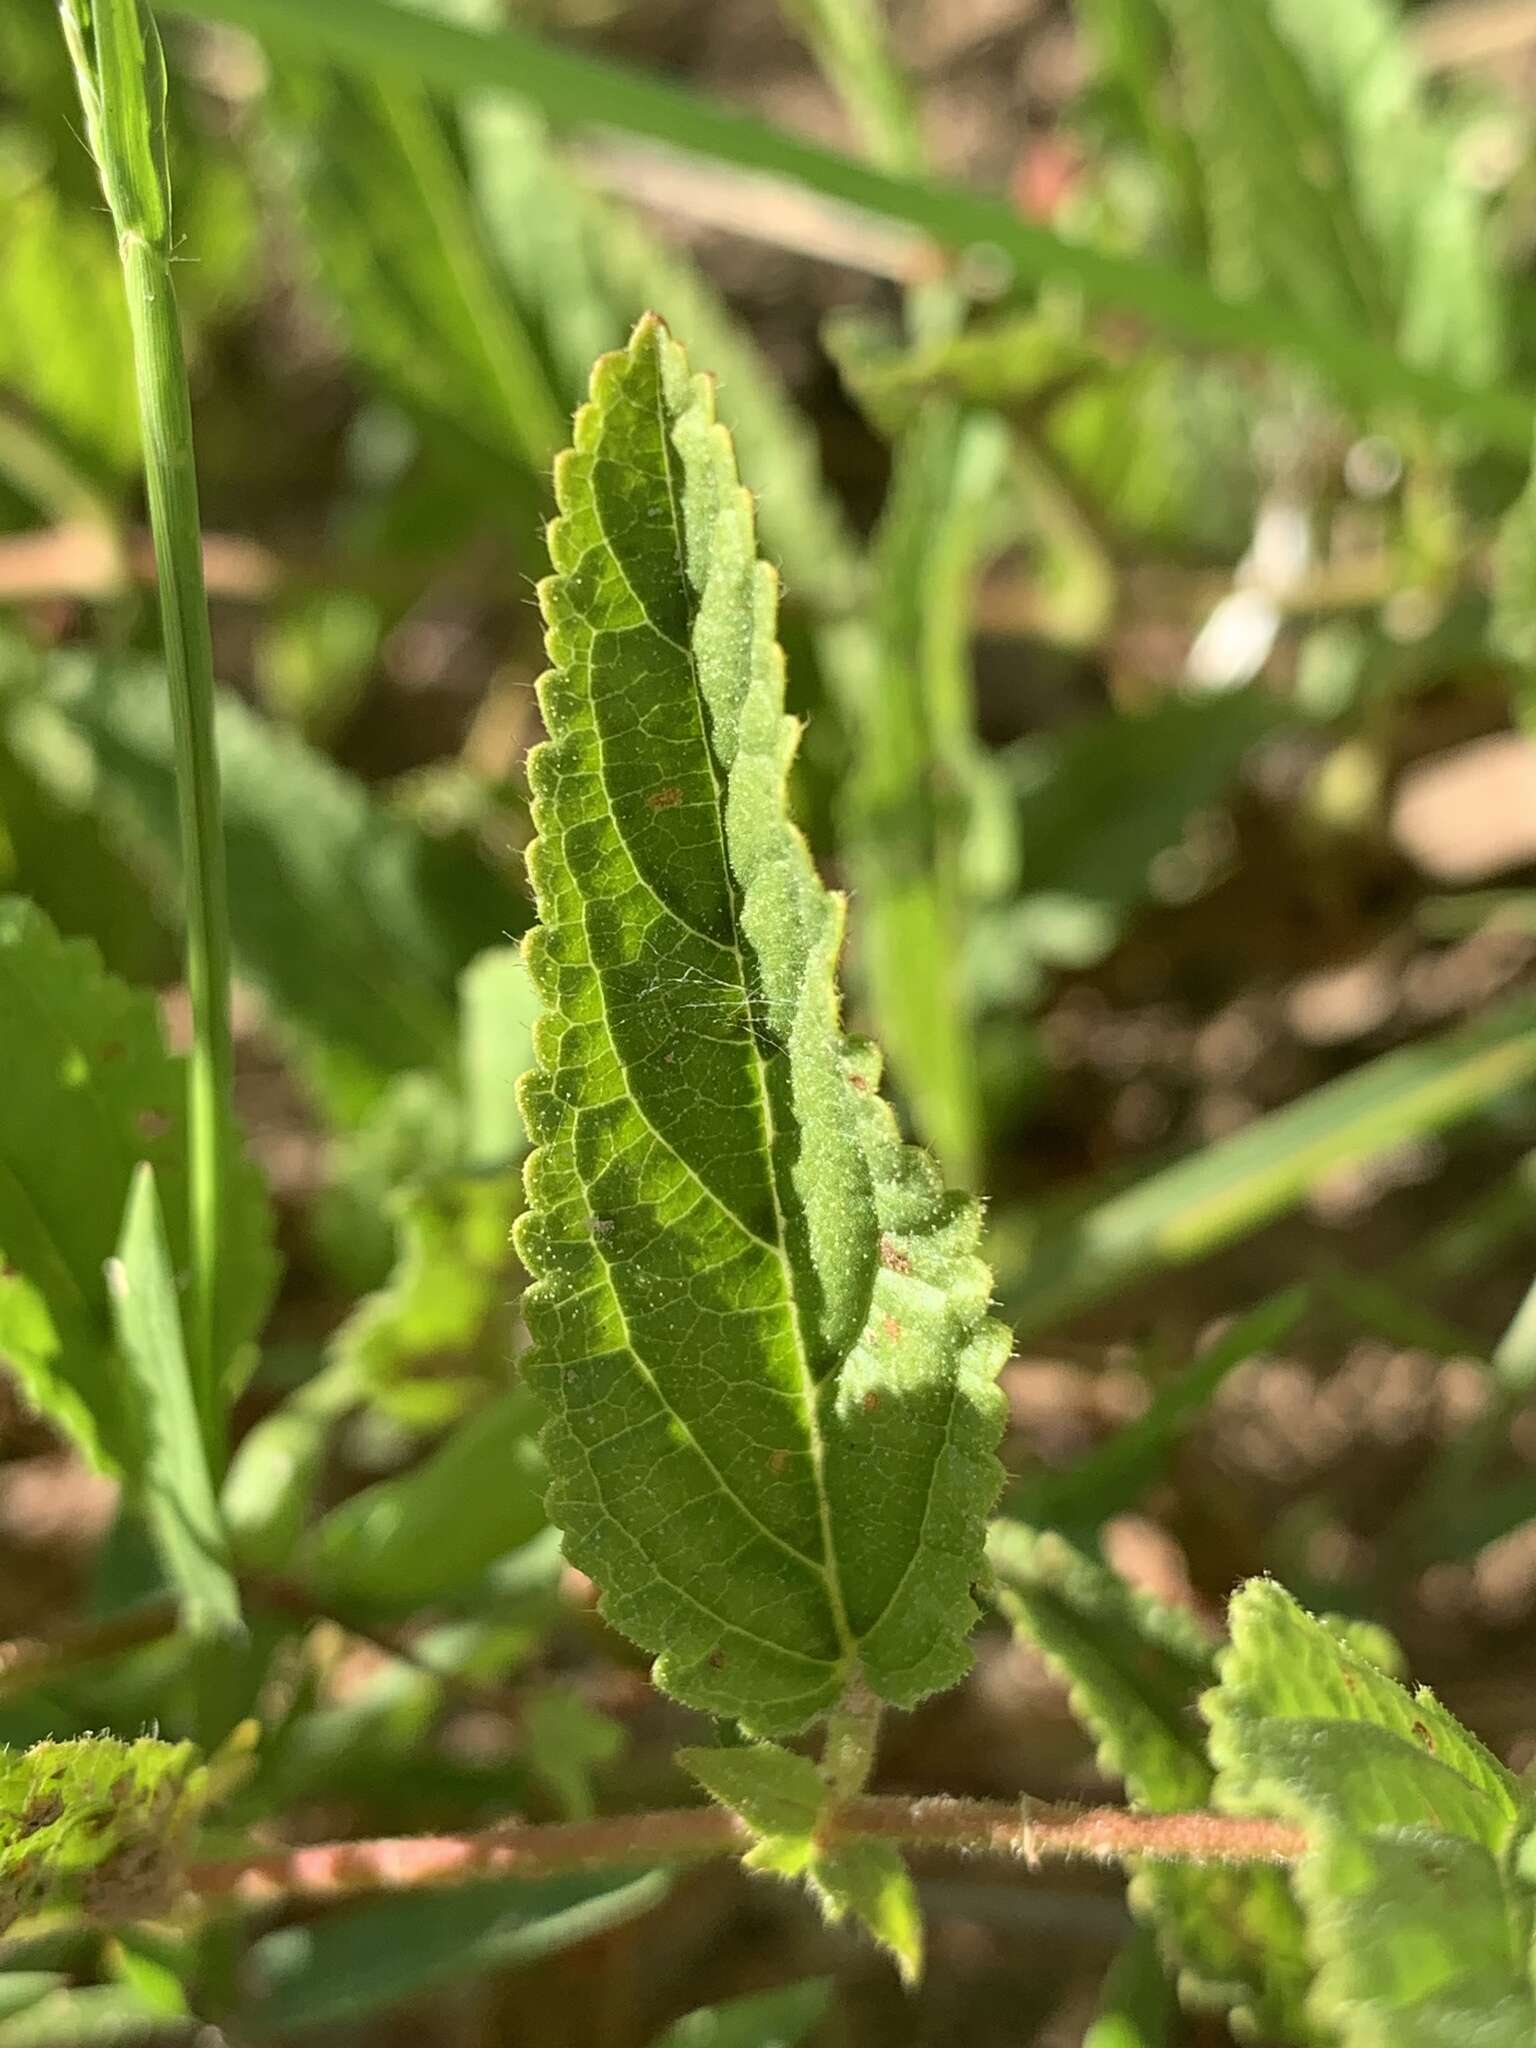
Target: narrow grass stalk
pixel 121 73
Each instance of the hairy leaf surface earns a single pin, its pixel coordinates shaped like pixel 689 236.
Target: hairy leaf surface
pixel 759 1321
pixel 1417 1916
pixel 96 1823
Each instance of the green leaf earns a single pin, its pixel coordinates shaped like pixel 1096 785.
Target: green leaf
pixel 88 1079
pixel 1286 1671
pixel 410 1345
pixel 760 1324
pixel 96 1825
pixel 174 1477
pixel 1234 1187
pixel 413 1539
pixel 869 1882
pixel 1134 1665
pixel 363 1959
pixel 781 1798
pixel 353 923
pixel 763 2019
pixel 1417 1918
pixel 1134 1668
pixel 574 88
pixel 778 1794
pixel 916 788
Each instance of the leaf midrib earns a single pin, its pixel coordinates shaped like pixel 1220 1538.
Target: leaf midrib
pixel 808 1389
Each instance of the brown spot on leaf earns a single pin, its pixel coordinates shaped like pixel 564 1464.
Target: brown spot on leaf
pixel 1424 1736
pixel 859 1082
pixel 778 1463
pixel 666 799
pixel 152 1123
pixel 41 1811
pixel 892 1257
pixel 871 1402
pixel 716 1659
pixel 891 1328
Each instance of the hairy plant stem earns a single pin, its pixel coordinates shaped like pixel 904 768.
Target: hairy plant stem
pixel 121 75
pixel 853 1732
pixel 1031 1835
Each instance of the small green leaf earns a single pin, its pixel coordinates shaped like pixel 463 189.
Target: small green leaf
pixel 272 1479
pixel 781 1797
pixel 173 1477
pixel 88 1078
pixel 407 1541
pixel 96 1825
pixel 763 2019
pixel 869 1882
pixel 774 1791
pixel 759 1322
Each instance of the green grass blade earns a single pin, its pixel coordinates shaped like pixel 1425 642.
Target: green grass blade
pixel 1235 1187
pixel 121 74
pixel 414 282
pixel 914 789
pixel 759 1322
pixel 173 1481
pixel 575 89
pixel 851 42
